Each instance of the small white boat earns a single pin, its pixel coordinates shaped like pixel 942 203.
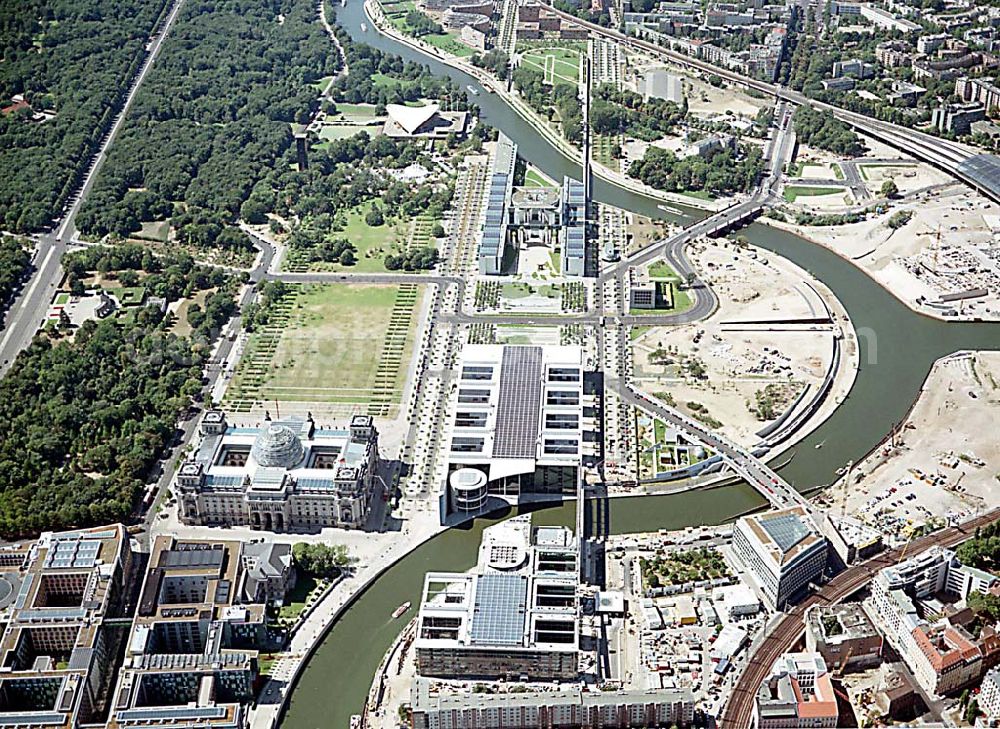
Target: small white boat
pixel 400 610
pixel 820 445
pixel 364 28
pixel 473 90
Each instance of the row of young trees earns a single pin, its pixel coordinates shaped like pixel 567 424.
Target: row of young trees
pixel 75 58
pixel 14 264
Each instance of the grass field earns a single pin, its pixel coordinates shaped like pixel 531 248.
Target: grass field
pixel 794 191
pixel 448 42
pixel 558 64
pixel 341 344
pixel 158 231
pixel 662 271
pixel 330 132
pixel 356 112
pixel 533 178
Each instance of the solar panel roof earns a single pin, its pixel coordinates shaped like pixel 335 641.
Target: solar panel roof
pixel 185 558
pixel 499 610
pixel 519 402
pixel 786 530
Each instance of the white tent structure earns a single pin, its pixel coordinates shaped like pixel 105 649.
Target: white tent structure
pixel 411 118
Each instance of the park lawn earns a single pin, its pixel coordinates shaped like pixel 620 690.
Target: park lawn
pixel 449 43
pixel 699 194
pixel 662 271
pixel 157 231
pixel 792 192
pixel 295 601
pixel 659 430
pixel 373 242
pixel 337 345
pixel 331 132
pixel 383 81
pixel 321 84
pixel 265 662
pixel 562 63
pixel 534 178
pixel 516 290
pixel 128 295
pixel 356 112
pixel 638 332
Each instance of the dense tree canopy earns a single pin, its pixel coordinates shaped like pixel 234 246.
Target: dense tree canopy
pixel 82 421
pixel 560 99
pixel 820 129
pixel 320 560
pixel 213 116
pixel 74 58
pixel 623 111
pixel 380 78
pixel 723 171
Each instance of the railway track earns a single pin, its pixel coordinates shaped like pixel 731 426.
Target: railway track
pixel 739 709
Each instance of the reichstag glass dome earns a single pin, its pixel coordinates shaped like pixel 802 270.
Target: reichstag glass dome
pixel 278 447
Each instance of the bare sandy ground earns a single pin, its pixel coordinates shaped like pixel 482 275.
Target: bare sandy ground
pixel 935 253
pixel 946 456
pixel 740 357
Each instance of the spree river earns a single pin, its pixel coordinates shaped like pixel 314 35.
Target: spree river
pixel 897 348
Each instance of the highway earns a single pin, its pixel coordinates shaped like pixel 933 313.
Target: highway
pixel 26 312
pixel 937 151
pixel 739 709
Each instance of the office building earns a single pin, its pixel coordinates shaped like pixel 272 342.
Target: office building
pixel 943 656
pixel 797 693
pixel 493 236
pixel 558 708
pixel 574 230
pixel 783 550
pixel 844 636
pixel 513 616
pixel 280 475
pixel 855 68
pixel 191 660
pixel 517 425
pixel 989 694
pixel 957 118
pixel 269 572
pixel 979 91
pixel 59 596
pixel 658 84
